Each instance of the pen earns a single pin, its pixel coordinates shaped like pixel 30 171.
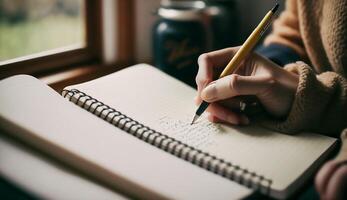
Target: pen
pixel 242 53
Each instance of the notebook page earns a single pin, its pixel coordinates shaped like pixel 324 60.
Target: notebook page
pixel 36 113
pixel 46 179
pixel 166 105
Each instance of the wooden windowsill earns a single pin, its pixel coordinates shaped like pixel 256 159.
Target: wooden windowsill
pixel 61 79
pixel 62 67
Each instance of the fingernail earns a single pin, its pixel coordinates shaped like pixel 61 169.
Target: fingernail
pixel 209 93
pixel 244 120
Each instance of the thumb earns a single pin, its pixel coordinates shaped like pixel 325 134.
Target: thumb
pixel 235 85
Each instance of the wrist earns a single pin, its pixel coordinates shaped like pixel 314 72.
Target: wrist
pixel 289 79
pixel 293 80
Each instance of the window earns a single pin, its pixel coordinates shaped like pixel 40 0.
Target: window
pixel 47 37
pixel 36 26
pixel 37 36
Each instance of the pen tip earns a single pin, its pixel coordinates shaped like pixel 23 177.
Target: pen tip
pixel 275 8
pixel 194 119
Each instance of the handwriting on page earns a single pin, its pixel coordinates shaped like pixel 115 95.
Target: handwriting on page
pixel 199 135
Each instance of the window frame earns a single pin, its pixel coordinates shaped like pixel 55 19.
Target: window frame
pixel 59 59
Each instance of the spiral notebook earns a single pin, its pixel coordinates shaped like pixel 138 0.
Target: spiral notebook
pixel 155 110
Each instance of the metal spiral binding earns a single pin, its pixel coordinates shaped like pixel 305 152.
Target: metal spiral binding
pixel 175 147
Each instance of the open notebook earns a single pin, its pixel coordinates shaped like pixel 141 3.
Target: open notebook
pixel 153 112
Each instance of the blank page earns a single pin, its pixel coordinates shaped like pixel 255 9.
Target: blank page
pixel 37 114
pixel 166 105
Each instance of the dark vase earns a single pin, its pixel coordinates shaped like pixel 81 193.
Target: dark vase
pixel 179 37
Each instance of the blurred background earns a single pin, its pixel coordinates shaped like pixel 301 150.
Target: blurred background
pixel 33 26
pixel 249 14
pixel 47 37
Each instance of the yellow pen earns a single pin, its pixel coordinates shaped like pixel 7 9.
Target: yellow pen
pixel 242 53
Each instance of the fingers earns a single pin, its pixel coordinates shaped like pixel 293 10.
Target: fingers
pixel 213 119
pixel 208 62
pixel 235 85
pixel 221 114
pixel 331 180
pixel 322 178
pixel 336 188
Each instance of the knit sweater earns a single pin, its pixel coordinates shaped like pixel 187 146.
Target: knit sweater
pixel 317 31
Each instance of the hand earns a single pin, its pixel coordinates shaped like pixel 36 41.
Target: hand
pixel 331 180
pixel 273 86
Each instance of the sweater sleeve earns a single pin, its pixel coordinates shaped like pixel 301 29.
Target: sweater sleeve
pixel 286 31
pixel 320 103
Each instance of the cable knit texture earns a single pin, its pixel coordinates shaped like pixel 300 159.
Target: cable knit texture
pixel 317 31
